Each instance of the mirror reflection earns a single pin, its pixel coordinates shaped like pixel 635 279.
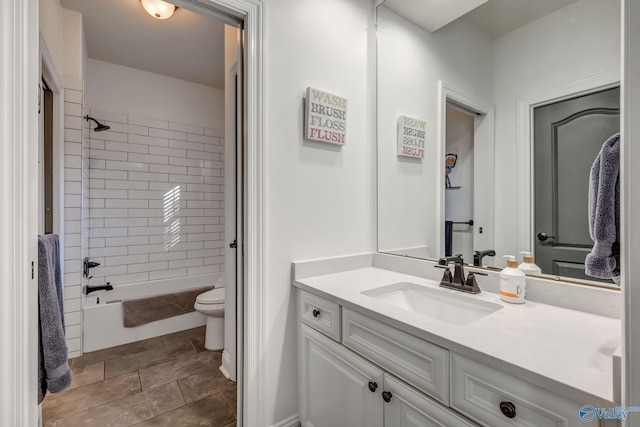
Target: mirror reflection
pixel 516 101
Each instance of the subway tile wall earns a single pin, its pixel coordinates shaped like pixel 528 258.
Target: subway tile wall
pixel 156 199
pixel 75 197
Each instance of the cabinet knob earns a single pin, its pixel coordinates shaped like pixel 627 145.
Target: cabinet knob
pixel 373 386
pixel 386 396
pixel 316 313
pixel 508 409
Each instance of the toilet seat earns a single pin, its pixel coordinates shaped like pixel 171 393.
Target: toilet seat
pixel 214 296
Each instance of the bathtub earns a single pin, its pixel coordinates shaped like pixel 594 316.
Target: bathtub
pixel 102 311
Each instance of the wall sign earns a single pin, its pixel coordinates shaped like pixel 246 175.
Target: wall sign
pixel 325 117
pixel 411 137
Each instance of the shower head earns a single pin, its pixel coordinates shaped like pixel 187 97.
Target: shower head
pixel 100 127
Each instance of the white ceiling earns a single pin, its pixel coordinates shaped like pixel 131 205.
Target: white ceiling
pixel 432 14
pixel 494 17
pixel 499 17
pixel 186 46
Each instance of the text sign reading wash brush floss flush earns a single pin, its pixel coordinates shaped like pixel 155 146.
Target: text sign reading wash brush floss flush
pixel 326 117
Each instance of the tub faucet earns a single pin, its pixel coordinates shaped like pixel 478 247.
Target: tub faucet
pixel 88 290
pixel 478 255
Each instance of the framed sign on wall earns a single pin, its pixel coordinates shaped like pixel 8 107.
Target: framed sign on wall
pixel 325 117
pixel 411 137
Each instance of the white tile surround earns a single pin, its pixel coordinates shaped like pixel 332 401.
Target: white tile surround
pixel 156 199
pixel 75 195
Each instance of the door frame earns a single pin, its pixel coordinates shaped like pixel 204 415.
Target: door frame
pixel 630 203
pixel 483 136
pixel 19 200
pixel 232 307
pixel 524 145
pixel 49 72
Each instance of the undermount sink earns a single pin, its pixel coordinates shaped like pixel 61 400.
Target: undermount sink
pixel 437 304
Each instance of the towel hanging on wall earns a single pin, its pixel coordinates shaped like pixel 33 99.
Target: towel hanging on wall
pixel 448 238
pixel 53 367
pixel 604 212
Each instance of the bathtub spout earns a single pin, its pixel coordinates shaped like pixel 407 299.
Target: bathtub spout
pixel 88 290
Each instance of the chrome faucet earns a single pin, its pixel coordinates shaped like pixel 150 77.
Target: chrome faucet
pixel 458 282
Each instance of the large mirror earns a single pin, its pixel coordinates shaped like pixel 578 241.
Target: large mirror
pixel 490 115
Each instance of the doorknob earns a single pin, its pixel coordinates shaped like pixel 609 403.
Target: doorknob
pixel 543 236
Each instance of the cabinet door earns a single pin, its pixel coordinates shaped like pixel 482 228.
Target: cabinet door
pixel 407 407
pixel 334 385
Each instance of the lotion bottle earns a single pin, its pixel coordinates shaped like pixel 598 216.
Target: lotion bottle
pixel 512 282
pixel 528 265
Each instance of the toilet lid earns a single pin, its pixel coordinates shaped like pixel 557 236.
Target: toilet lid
pixel 214 296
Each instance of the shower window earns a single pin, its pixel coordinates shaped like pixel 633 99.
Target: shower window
pixel 46 159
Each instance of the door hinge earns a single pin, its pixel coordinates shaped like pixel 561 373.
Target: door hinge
pixel 233 245
pixel 33 270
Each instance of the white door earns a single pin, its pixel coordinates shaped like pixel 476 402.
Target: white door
pixel 406 407
pixel 337 388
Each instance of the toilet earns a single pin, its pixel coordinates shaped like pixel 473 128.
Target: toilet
pixel 211 304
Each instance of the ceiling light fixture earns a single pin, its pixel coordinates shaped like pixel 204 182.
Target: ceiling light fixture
pixel 158 9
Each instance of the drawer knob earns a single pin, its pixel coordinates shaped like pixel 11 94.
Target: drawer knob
pixel 316 313
pixel 386 396
pixel 373 386
pixel 508 409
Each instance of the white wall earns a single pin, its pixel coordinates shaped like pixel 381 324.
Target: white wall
pixel 410 64
pixel 576 42
pixel 111 87
pixel 50 21
pixel 73 44
pixel 318 196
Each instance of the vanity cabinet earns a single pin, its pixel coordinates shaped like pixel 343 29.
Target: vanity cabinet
pixel 497 399
pixel 415 361
pixel 409 408
pixel 341 388
pixel 358 371
pixel 337 388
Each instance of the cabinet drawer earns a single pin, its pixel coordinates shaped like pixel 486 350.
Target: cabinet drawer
pixel 319 313
pixel 478 391
pixel 419 363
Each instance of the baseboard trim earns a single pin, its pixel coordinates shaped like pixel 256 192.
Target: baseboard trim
pixel 292 421
pixel 225 368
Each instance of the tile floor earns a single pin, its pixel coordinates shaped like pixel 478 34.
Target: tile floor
pixel 168 381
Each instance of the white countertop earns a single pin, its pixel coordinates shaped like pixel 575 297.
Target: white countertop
pixel 565 351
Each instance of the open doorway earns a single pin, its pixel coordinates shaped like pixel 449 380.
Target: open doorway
pixel 153 173
pixel 459 172
pixel 466 142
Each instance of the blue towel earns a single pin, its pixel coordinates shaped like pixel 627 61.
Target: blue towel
pixel 604 212
pixel 53 368
pixel 448 238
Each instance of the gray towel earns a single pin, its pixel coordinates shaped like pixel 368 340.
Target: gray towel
pixel 604 212
pixel 53 368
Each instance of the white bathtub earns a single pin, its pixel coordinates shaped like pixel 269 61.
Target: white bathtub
pixel 102 310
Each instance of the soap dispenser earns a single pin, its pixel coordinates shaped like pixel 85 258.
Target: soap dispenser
pixel 512 282
pixel 528 265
